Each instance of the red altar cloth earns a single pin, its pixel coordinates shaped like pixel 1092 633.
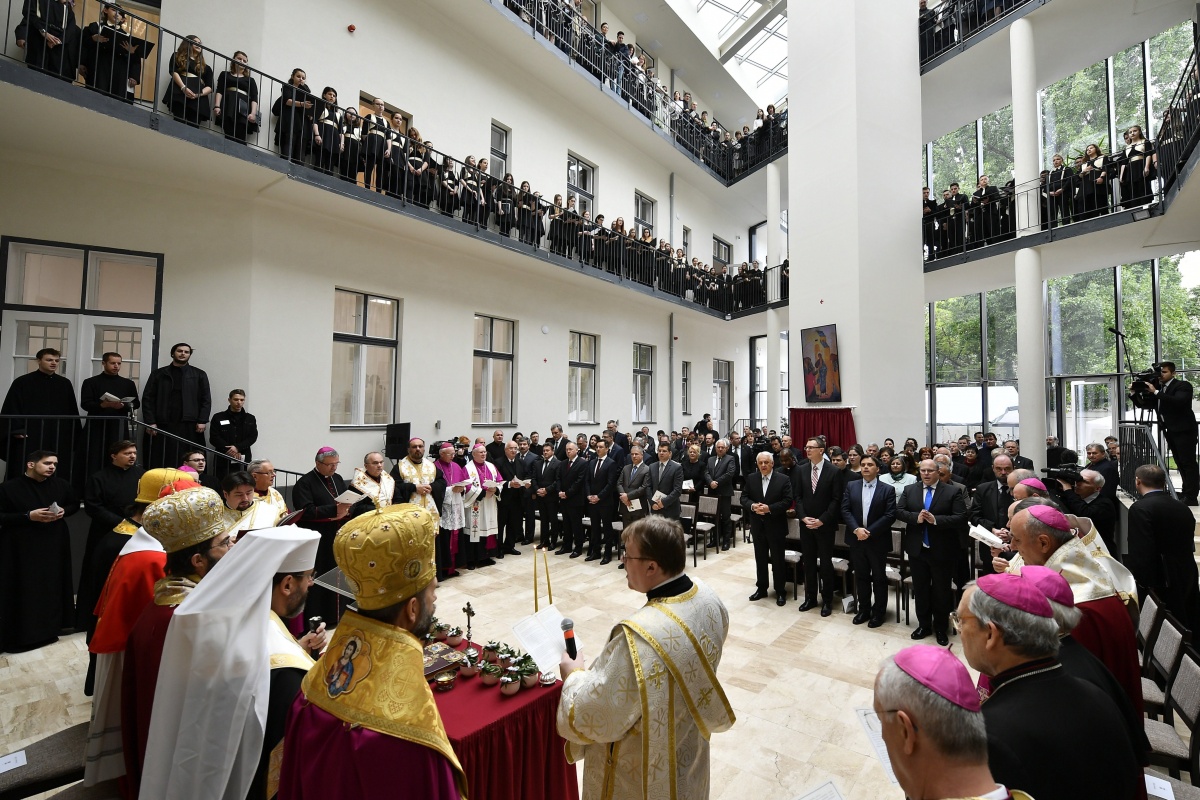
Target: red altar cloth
pixel 508 746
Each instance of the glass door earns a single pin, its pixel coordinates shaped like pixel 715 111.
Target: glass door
pixel 81 338
pixel 1087 412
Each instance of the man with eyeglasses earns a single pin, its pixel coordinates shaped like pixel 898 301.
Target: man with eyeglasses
pixel 678 635
pixel 818 487
pixel 197 461
pixel 316 492
pixel 263 472
pixel 176 402
pixel 192 529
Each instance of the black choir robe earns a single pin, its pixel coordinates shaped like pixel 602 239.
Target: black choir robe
pixel 108 495
pixel 105 425
pixel 36 595
pixel 39 394
pixel 315 495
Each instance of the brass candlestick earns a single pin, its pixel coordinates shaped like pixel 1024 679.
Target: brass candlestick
pixel 470 612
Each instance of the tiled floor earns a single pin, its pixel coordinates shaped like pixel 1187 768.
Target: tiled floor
pixel 794 679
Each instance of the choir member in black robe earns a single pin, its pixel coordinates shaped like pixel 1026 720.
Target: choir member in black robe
pixel 1139 169
pixel 1059 187
pixel 505 197
pixel 327 132
pixel 447 198
pixel 470 194
pixel 418 165
pixel 955 219
pixel 1093 180
pixel 397 157
pixel 178 402
pixel 41 393
pixel 294 108
pixel 236 100
pixel 558 226
pixel 315 493
pixel 108 494
pixel 191 84
pixel 108 420
pixel 50 37
pixel 929 209
pixel 36 602
pixel 376 145
pixel 573 224
pixel 349 163
pixel 110 59
pixel 529 220
pixel 487 185
pixel 985 213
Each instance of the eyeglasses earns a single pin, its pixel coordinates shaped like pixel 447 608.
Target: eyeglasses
pixel 196 460
pixel 627 557
pixel 223 544
pixel 957 622
pixel 271 473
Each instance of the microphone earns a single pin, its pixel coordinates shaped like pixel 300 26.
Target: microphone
pixel 1115 332
pixel 568 628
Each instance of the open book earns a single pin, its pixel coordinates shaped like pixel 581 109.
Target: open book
pixel 541 636
pixel 689 486
pixel 982 534
pixel 635 505
pixel 109 397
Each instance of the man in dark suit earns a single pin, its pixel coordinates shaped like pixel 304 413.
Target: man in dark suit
pixel 817 487
pixel 666 477
pixel 1098 460
pixel 990 507
pixel 529 455
pixel 708 446
pixel 718 479
pixel 766 499
pixel 619 439
pixel 932 511
pixel 602 501
pixel 616 453
pixel 1175 415
pixel 544 491
pixel 511 503
pixel 868 510
pixel 572 497
pixel 1054 451
pixel 1012 449
pixel 634 486
pixel 739 456
pixel 1161 546
pixel 559 441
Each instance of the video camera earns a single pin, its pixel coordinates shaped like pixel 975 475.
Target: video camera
pixel 1139 387
pixel 1064 472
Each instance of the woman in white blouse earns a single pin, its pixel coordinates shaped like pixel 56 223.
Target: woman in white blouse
pixel 898 474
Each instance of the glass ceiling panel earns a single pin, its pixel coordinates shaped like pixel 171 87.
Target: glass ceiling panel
pixel 762 60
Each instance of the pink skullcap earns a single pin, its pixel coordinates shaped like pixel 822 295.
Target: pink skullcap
pixel 940 672
pixel 446 446
pixel 1015 592
pixel 1049 515
pixel 478 447
pixel 1035 483
pixel 325 450
pixel 186 468
pixel 1050 583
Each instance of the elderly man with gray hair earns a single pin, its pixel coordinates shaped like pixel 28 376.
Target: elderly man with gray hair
pixel 1036 709
pixel 1086 498
pixel 719 473
pixel 931 723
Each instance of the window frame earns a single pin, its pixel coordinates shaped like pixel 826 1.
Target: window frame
pixel 638 199
pixel 492 355
pixel 687 241
pixel 364 339
pixel 573 414
pixel 499 164
pixel 585 199
pixel 641 375
pixel 718 243
pixel 685 369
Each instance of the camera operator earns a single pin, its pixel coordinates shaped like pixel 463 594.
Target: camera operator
pixel 1172 398
pixel 1082 495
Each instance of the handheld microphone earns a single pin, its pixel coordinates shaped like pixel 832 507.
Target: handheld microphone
pixel 568 628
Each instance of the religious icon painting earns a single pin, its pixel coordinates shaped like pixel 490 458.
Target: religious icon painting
pixel 822 370
pixel 351 667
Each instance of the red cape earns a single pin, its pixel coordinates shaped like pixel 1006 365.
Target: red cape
pixel 127 591
pixel 143 653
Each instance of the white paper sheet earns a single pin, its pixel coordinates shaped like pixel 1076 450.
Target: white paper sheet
pixel 826 791
pixel 12 761
pixel 349 496
pixel 1159 788
pixel 635 505
pixel 689 486
pixel 982 534
pixel 870 723
pixel 541 636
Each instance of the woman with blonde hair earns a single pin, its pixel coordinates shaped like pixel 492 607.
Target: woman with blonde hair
pixel 191 83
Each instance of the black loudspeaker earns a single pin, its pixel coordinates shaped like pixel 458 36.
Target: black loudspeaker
pixel 395 443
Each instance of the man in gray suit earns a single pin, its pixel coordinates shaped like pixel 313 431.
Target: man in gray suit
pixel 718 477
pixel 667 477
pixel 634 486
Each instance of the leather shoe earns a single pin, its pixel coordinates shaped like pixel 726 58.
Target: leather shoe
pixel 561 551
pixel 758 595
pixel 861 617
pixel 826 610
pixel 591 557
pixel 576 555
pixel 724 547
pixel 875 622
pixel 512 551
pixel 920 633
pixel 621 565
pixel 808 605
pixel 1190 501
pixel 527 542
pixel 943 639
pixel 779 601
pixel 606 560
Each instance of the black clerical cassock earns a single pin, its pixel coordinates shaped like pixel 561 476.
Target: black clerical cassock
pixel 41 394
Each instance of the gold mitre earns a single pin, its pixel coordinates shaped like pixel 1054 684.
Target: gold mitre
pixel 151 484
pixel 387 554
pixel 185 518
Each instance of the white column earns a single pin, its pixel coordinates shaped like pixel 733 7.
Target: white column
pixel 858 260
pixel 1026 158
pixel 775 321
pixel 774 237
pixel 1031 354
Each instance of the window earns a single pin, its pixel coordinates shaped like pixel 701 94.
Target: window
pixel 643 212
pixel 581 183
pixel 721 251
pixel 685 373
pixel 81 278
pixel 581 378
pixel 119 339
pixel 492 373
pixel 1075 113
pixel 646 55
pixel 955 159
pixel 643 382
pixel 687 241
pixel 363 379
pixel 498 164
pixel 722 404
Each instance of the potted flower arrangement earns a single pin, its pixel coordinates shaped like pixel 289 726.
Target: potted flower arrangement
pixel 441 631
pixel 491 652
pixel 527 669
pixel 489 674
pixel 506 656
pixel 454 637
pixel 470 667
pixel 509 685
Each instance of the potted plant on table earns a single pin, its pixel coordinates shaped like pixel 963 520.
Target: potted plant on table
pixel 454 637
pixel 489 674
pixel 441 631
pixel 491 652
pixel 470 667
pixel 509 685
pixel 527 669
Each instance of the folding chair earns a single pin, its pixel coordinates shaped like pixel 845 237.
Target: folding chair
pixel 51 762
pixel 1161 666
pixel 707 509
pixel 792 554
pixel 687 518
pixel 1167 747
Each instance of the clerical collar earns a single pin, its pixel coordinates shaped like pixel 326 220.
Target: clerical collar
pixel 672 587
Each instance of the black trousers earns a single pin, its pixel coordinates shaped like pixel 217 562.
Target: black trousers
pixel 166 451
pixel 1183 448
pixel 768 552
pixel 931 588
pixel 572 528
pixel 601 514
pixel 511 522
pixel 548 510
pixel 817 544
pixel 869 578
pixel 530 520
pixel 442 551
pixel 724 522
